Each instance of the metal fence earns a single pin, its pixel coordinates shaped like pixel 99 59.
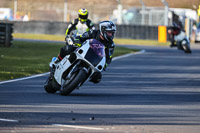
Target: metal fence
pixel 140 16
pixel 66 10
pixel 58 10
pixel 137 32
pixel 59 28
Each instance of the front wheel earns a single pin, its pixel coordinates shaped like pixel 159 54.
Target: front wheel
pixel 76 79
pixel 186 49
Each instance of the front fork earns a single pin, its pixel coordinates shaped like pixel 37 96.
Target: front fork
pixel 74 69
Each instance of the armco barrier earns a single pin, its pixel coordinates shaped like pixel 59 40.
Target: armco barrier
pixel 40 27
pixel 6 30
pixel 137 32
pixel 123 31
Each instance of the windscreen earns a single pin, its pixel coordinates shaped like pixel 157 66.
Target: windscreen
pixel 96 52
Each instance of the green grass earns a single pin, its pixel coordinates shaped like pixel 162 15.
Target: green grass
pixel 25 59
pixel 116 40
pixel 40 36
pixel 28 58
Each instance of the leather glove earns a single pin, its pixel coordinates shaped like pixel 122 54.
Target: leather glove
pixel 70 41
pixel 77 42
pixel 67 36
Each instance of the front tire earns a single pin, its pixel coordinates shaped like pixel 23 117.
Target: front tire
pixel 76 79
pixel 186 49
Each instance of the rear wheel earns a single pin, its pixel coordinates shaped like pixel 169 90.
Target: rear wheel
pixel 76 79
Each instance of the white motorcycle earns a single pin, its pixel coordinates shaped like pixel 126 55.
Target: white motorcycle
pixel 182 42
pixel 77 68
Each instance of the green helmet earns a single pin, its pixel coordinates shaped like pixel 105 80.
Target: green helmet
pixel 83 15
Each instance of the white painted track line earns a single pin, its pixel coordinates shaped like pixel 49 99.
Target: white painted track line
pixel 39 75
pixel 126 55
pixel 34 76
pixel 8 120
pixel 78 127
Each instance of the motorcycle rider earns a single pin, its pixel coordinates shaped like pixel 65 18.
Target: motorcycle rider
pixel 173 31
pixel 179 38
pixel 81 24
pixel 105 35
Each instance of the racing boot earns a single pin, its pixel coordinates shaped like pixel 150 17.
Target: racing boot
pixel 172 44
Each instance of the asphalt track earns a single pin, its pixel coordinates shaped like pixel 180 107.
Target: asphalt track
pixel 156 91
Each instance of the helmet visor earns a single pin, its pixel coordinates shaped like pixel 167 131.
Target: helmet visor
pixel 83 16
pixel 110 33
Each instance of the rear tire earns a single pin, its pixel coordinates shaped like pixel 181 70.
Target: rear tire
pixel 73 82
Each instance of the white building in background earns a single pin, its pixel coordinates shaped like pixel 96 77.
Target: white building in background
pixel 187 18
pixel 6 14
pixel 189 13
pixel 155 16
pixel 152 15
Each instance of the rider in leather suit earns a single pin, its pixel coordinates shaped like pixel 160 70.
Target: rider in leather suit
pixel 174 30
pixel 105 35
pixel 81 24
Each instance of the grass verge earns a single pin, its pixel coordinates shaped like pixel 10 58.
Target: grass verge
pixel 116 40
pixel 28 58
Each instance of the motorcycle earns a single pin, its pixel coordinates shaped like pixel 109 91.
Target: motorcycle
pixel 77 68
pixel 182 42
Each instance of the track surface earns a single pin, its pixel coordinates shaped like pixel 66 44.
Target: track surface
pixel 153 92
